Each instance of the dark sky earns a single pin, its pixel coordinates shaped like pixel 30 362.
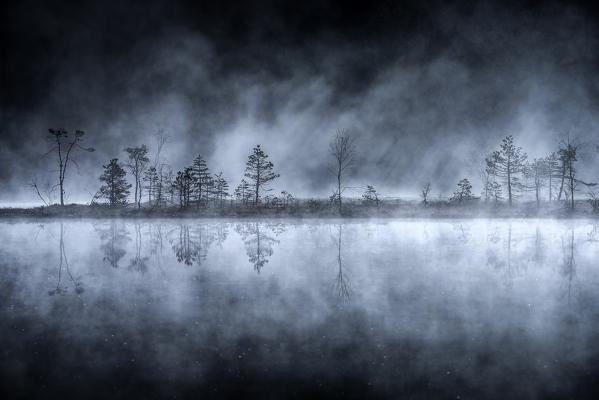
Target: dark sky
pixel 426 88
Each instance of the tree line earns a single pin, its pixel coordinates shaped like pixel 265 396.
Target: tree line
pixel 194 186
pixel 507 174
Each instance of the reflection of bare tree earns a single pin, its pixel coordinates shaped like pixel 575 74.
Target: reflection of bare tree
pixel 539 248
pixel 342 284
pixel 258 244
pixel 192 243
pixel 138 263
pixel 569 263
pixel 61 289
pixel 113 237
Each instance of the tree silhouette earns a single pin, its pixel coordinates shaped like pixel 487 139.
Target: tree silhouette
pixel 370 196
pixel 64 148
pixel 242 192
pixel 260 171
pixel 464 191
pixel 137 163
pixel 537 173
pixel 426 189
pixel 115 188
pixel 220 188
pixel 342 149
pixel 202 180
pixel 568 156
pixel 151 179
pixel 506 163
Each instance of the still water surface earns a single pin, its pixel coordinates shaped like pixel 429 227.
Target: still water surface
pixel 280 309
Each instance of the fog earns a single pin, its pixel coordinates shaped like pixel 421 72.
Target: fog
pixel 426 91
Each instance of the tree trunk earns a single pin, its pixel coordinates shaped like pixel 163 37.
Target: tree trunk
pixel 509 184
pixel 257 187
pixel 571 186
pixel 339 186
pixel 561 186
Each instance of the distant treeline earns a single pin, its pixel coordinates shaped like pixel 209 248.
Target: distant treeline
pixel 506 175
pixel 509 174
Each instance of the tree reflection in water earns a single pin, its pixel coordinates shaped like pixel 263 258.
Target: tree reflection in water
pixel 568 269
pixel 342 283
pixel 62 289
pixel 113 238
pixel 258 243
pixel 192 242
pixel 138 262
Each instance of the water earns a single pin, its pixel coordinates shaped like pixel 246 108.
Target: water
pixel 279 309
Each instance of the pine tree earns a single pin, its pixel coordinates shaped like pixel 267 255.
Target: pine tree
pixel 201 179
pixel 537 173
pixel 115 188
pixel 242 192
pixel 553 172
pixel 464 191
pixel 182 186
pixel 492 190
pixel 506 163
pixel 370 196
pixel 287 198
pixel 260 171
pixel 568 155
pixel 220 188
pixel 151 180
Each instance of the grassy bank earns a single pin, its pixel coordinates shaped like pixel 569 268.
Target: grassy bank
pixel 315 209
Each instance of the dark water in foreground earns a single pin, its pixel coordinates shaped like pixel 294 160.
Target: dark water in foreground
pixel 286 309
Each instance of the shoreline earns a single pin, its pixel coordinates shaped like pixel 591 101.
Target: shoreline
pixel 406 210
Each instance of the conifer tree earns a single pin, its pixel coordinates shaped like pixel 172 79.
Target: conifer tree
pixel 201 179
pixel 115 188
pixel 464 191
pixel 260 172
pixel 507 163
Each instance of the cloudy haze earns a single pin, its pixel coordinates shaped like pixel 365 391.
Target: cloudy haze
pixel 426 90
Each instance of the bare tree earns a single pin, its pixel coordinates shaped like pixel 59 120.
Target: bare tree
pixel 424 193
pixel 343 150
pixel 64 147
pixel 35 187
